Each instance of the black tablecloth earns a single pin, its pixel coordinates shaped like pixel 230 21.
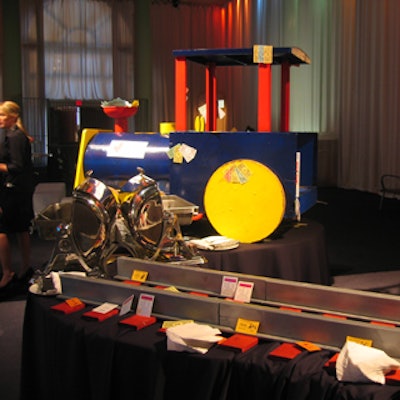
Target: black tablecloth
pixel 296 252
pixel 68 357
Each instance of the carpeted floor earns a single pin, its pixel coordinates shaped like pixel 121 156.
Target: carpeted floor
pixel 362 246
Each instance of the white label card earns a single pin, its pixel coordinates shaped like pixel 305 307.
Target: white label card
pixel 228 287
pixel 244 291
pixel 105 308
pixel 126 305
pixel 188 152
pixel 145 305
pixel 127 149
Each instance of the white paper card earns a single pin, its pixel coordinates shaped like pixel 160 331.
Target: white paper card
pixel 126 305
pixel 105 308
pixel 244 291
pixel 228 287
pixel 145 305
pixel 188 152
pixel 127 149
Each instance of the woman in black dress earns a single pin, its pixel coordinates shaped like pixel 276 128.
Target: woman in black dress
pixel 16 190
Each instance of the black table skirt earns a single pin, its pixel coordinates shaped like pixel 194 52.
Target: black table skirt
pixel 67 357
pixel 296 252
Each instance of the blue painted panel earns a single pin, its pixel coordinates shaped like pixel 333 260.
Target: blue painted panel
pixel 275 150
pixel 154 159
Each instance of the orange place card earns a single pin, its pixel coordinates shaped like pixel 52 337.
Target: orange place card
pixel 286 350
pixel 239 342
pixel 388 324
pixel 199 294
pixel 129 282
pixel 138 321
pixel 334 316
pixel 311 347
pixel 73 302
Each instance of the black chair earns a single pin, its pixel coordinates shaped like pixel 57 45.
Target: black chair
pixel 390 187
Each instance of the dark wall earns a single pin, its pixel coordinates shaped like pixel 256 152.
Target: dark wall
pixel 11 45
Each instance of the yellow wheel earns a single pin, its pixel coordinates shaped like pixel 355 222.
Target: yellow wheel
pixel 244 200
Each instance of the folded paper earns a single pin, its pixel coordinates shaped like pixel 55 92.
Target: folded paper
pixel 192 337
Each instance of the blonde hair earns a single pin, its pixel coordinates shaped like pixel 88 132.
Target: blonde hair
pixel 13 109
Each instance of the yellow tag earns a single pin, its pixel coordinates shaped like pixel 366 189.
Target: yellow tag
pixel 73 302
pixel 139 276
pixel 263 54
pixel 170 324
pixel 365 342
pixel 178 157
pixel 247 326
pixel 308 346
pixel 172 289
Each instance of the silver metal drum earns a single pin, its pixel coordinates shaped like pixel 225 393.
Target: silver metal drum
pixel 93 208
pixel 143 210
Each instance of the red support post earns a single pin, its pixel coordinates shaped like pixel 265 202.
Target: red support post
pixel 264 97
pixel 180 94
pixel 211 98
pixel 285 97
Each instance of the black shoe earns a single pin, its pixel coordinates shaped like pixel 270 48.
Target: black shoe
pixel 9 283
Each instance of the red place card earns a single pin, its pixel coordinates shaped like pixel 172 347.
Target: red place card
pixel 138 321
pixel 331 363
pixel 393 377
pixel 239 342
pixel 286 350
pixel 100 316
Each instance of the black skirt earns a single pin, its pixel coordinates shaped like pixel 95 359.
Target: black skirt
pixel 16 210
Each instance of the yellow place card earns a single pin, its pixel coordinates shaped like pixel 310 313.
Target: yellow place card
pixel 172 289
pixel 365 342
pixel 308 346
pixel 247 326
pixel 169 324
pixel 139 276
pixel 73 302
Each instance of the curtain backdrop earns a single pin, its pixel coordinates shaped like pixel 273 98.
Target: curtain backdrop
pixel 349 94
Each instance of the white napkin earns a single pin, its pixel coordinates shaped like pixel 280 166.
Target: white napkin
pixel 36 287
pixel 215 243
pixel 192 337
pixel 359 363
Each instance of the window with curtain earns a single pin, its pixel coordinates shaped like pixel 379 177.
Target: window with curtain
pixel 78 53
pixel 73 50
pixel 77 49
